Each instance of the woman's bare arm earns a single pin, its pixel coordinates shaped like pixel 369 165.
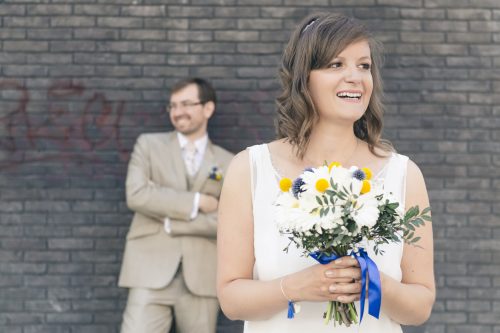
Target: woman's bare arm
pixel 410 301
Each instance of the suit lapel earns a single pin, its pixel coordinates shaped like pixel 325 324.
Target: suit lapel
pixel 177 161
pixel 206 165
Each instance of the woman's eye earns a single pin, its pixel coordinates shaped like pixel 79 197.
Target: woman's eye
pixel 366 66
pixel 335 65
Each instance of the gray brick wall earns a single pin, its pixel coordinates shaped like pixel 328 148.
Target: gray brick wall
pixel 79 80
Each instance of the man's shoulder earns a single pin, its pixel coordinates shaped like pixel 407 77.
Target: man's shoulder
pixel 222 152
pixel 155 137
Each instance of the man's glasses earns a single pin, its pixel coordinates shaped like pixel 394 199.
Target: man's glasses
pixel 182 105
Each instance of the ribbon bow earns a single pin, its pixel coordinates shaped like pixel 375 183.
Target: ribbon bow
pixel 368 267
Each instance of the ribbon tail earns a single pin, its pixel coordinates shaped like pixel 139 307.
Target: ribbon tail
pixel 362 266
pixel 291 310
pixel 374 287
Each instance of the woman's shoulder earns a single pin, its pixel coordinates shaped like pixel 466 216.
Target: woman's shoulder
pixel 269 144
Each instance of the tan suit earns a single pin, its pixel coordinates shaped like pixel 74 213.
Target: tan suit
pixel 157 186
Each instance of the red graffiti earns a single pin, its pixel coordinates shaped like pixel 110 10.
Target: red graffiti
pixel 13 120
pixel 73 126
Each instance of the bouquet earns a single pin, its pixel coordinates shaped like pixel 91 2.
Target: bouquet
pixel 328 211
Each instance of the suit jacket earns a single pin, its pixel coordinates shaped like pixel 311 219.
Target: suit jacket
pixel 157 187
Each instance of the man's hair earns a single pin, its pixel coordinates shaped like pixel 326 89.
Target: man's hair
pixel 314 43
pixel 206 92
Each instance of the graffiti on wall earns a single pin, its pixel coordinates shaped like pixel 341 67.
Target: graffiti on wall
pixel 72 124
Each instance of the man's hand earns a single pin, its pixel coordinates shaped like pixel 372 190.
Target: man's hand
pixel 208 203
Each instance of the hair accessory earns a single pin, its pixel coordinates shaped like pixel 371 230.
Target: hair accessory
pixel 309 24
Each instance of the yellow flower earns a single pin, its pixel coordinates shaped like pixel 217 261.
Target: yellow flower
pixel 322 185
pixel 218 176
pixel 285 184
pixel 333 164
pixel 366 187
pixel 368 173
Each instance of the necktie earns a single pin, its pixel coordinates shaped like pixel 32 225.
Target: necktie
pixel 190 158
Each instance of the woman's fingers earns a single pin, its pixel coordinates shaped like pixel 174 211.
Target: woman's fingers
pixel 345 262
pixel 347 273
pixel 345 288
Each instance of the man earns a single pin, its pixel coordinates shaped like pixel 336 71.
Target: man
pixel 173 185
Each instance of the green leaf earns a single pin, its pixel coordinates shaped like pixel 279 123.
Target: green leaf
pixel 416 239
pixel 426 210
pixel 410 213
pixel 417 222
pixel 318 199
pixel 393 205
pixel 427 218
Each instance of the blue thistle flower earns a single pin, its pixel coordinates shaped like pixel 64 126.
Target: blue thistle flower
pixel 359 174
pixel 296 187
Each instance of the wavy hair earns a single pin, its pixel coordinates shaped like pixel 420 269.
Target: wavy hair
pixel 315 42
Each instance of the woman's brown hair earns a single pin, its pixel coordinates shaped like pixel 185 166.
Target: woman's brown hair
pixel 314 43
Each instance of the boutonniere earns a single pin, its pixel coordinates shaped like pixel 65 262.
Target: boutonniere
pixel 215 174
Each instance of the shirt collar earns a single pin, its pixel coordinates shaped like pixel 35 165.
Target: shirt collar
pixel 200 144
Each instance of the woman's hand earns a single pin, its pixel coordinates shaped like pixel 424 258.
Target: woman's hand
pixel 336 281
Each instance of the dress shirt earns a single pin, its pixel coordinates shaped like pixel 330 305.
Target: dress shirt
pixel 201 146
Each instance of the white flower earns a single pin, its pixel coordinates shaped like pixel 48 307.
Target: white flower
pixel 331 220
pixel 286 199
pixel 366 211
pixel 308 201
pixel 341 176
pixel 356 186
pixel 311 177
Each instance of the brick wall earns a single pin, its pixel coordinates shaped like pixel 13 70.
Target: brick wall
pixel 81 79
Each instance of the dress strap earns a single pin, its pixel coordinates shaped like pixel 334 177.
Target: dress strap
pixel 395 179
pixel 258 158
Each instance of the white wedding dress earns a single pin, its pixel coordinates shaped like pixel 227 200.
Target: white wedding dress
pixel 271 262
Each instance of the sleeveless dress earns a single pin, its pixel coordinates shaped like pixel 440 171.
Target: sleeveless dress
pixel 271 262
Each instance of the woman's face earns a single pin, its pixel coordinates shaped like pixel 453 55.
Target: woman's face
pixel 341 91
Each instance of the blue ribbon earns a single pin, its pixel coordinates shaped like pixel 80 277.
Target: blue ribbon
pixel 291 310
pixel 368 267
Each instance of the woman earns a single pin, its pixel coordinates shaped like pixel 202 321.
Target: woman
pixel 330 110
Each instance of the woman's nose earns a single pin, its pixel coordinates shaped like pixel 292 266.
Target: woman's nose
pixel 352 75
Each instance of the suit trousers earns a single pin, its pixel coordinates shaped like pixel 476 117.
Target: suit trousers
pixel 152 310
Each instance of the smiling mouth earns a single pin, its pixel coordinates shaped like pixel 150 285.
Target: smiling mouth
pixel 350 96
pixel 180 118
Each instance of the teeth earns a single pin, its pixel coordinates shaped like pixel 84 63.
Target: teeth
pixel 348 94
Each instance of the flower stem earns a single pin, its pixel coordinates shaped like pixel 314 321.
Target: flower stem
pixel 353 313
pixel 328 315
pixel 344 316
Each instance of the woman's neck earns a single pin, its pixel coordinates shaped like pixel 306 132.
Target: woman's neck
pixel 337 144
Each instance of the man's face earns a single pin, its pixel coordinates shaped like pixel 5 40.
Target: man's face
pixel 187 113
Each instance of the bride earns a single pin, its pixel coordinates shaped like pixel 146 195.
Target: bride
pixel 329 110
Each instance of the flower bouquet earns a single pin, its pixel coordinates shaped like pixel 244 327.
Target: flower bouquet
pixel 328 211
